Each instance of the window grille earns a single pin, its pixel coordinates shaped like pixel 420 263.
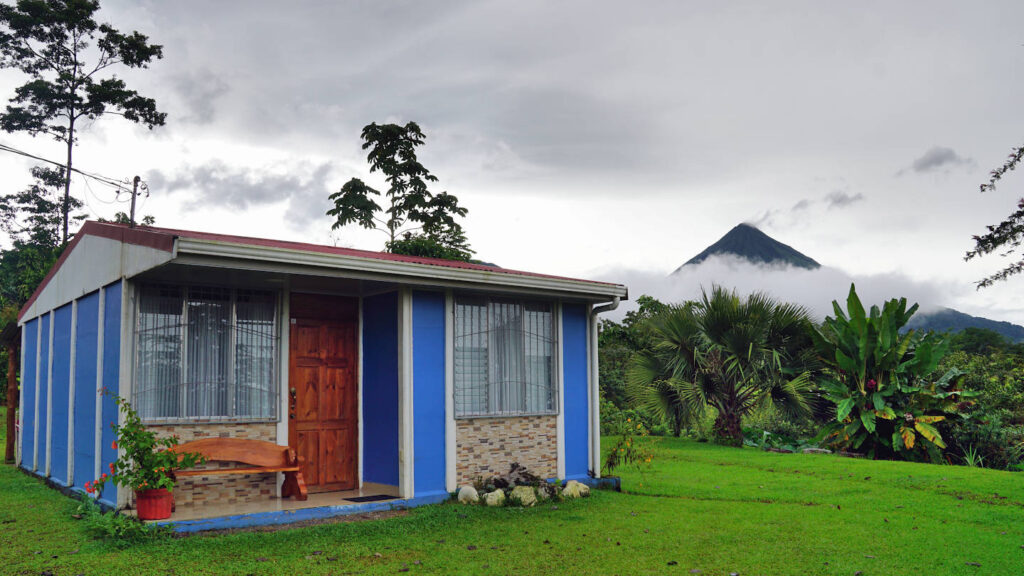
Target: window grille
pixel 504 361
pixel 205 353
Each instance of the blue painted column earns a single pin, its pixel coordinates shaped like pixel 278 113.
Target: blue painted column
pixel 42 391
pixel 111 378
pixel 29 377
pixel 428 390
pixel 60 403
pixel 85 389
pixel 380 389
pixel 575 383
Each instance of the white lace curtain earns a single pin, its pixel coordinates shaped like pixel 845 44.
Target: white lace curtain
pixel 204 352
pixel 503 357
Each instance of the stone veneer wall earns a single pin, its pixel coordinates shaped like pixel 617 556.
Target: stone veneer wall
pixel 227 488
pixel 488 446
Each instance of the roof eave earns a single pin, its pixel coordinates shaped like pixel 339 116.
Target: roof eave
pixel 596 291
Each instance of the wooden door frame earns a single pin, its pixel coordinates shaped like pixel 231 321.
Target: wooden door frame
pixel 325 307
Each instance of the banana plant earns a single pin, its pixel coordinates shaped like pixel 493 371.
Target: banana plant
pixel 880 379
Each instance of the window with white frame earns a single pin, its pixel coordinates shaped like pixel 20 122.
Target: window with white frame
pixel 205 353
pixel 504 357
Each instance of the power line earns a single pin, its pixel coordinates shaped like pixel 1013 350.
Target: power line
pixel 114 183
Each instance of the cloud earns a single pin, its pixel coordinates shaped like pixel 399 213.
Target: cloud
pixel 199 91
pixel 840 199
pixel 217 185
pixel 938 157
pixel 803 204
pixel 813 289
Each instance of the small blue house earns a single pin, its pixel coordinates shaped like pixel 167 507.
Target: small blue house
pixel 390 375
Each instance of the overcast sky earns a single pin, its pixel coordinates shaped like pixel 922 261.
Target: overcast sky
pixel 588 139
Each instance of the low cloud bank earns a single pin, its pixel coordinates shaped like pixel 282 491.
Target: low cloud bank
pixel 813 289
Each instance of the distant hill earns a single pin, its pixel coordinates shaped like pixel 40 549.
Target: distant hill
pixel 949 320
pixel 748 242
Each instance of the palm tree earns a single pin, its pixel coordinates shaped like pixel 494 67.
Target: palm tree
pixel 726 353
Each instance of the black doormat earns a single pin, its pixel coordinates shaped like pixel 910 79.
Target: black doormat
pixel 376 498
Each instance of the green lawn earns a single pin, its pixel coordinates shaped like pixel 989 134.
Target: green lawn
pixel 718 510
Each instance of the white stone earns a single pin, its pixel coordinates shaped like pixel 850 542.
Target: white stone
pixel 523 495
pixel 468 495
pixel 574 489
pixel 496 498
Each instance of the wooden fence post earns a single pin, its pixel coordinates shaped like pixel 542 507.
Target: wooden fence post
pixel 12 401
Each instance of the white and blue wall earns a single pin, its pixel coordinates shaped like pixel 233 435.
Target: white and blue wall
pixel 70 355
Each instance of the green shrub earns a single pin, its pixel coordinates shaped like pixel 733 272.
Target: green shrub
pixel 116 528
pixel 882 382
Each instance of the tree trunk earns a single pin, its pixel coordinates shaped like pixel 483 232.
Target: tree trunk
pixel 66 205
pixel 12 401
pixel 727 429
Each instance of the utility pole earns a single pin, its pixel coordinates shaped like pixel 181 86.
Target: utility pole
pixel 135 192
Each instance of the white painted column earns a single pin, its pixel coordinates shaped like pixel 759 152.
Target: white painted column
pixel 19 431
pixel 560 388
pixel 284 384
pixel 359 393
pixel 35 417
pixel 49 397
pixel 595 399
pixel 451 481
pixel 71 395
pixel 406 473
pixel 98 440
pixel 125 372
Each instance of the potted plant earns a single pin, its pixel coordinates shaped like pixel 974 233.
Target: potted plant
pixel 145 465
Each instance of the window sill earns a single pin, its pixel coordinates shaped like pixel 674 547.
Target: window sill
pixel 199 421
pixel 512 415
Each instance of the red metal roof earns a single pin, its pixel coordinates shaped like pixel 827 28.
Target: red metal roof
pixel 163 239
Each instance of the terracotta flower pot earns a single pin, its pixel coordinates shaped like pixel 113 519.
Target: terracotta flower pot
pixel 154 504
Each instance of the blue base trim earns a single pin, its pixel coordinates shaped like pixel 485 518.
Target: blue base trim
pixel 292 516
pixel 605 483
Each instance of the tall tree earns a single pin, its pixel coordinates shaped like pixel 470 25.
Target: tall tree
pixel 69 59
pixel 1008 234
pixel 392 151
pixel 728 353
pixel 32 218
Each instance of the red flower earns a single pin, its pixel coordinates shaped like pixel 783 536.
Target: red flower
pixel 111 467
pixel 114 444
pixel 872 385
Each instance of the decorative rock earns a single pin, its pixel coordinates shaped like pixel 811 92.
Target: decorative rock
pixel 496 498
pixel 542 493
pixel 574 489
pixel 523 495
pixel 817 451
pixel 468 495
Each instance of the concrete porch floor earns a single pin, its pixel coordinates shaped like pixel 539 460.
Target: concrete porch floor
pixel 332 499
pixel 214 516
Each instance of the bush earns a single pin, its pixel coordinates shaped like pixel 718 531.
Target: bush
pixel 778 425
pixel 631 448
pixel 986 439
pixel 116 528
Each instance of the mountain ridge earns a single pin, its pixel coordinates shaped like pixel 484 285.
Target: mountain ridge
pixel 748 242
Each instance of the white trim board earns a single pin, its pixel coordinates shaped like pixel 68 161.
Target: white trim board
pixel 98 443
pixel 406 474
pixel 560 387
pixel 450 430
pixel 71 395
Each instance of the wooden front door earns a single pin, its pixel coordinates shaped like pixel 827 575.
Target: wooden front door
pixel 322 415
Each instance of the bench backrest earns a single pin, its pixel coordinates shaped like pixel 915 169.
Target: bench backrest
pixel 252 452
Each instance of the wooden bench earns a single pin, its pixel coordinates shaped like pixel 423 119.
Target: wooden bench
pixel 257 456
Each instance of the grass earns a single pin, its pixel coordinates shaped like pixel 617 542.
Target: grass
pixel 718 510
